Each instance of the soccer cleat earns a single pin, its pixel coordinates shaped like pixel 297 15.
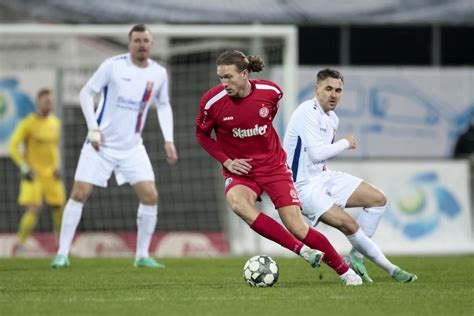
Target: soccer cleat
pixel 147 263
pixel 358 266
pixel 351 278
pixel 402 276
pixel 314 257
pixel 60 261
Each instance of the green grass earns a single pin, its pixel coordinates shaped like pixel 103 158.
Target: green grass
pixel 216 287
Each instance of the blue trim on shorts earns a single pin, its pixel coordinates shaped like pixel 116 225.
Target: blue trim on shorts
pixel 103 105
pixel 296 159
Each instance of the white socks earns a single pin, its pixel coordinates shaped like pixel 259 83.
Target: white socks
pixel 147 216
pixel 370 218
pixel 71 217
pixel 368 221
pixel 146 222
pixel 367 247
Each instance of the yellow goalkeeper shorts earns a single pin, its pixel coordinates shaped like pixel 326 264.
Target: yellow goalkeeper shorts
pixel 50 189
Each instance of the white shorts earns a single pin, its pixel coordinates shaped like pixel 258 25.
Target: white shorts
pixel 96 167
pixel 329 188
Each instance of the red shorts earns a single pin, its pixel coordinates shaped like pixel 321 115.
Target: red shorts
pixel 279 186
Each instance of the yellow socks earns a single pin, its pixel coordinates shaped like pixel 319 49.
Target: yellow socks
pixel 27 225
pixel 57 216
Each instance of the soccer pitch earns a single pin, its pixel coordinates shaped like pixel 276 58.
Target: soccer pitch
pixel 216 287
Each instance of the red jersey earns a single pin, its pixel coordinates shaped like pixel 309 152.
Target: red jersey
pixel 243 126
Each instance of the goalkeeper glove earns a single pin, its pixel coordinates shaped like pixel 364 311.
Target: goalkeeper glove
pixel 58 174
pixel 26 172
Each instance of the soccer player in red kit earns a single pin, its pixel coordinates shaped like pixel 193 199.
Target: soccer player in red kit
pixel 241 111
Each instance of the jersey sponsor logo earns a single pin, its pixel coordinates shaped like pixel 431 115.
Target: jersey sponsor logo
pixel 126 79
pixel 323 129
pixel 228 118
pixel 129 104
pixel 263 112
pixel 249 132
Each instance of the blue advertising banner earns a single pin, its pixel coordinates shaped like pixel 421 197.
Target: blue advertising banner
pixel 17 96
pixel 397 112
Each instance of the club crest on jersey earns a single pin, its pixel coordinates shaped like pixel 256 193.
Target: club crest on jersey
pixel 263 112
pixel 293 194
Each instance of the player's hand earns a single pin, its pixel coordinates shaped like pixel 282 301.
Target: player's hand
pixel 95 137
pixel 171 154
pixel 352 141
pixel 58 174
pixel 238 166
pixel 26 172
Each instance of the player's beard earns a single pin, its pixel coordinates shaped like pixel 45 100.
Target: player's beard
pixel 142 55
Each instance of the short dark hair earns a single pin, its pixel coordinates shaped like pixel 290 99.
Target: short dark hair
pixel 242 62
pixel 43 92
pixel 329 73
pixel 138 28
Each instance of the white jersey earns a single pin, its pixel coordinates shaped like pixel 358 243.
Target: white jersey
pixel 309 141
pixel 127 93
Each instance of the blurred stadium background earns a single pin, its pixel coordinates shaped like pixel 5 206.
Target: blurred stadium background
pixel 409 94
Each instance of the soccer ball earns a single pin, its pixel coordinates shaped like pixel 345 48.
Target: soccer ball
pixel 261 271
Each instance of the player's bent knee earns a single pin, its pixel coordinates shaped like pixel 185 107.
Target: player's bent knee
pixel 34 208
pixel 242 208
pixel 79 196
pixel 149 198
pixel 349 227
pixel 81 192
pixel 238 206
pixel 381 199
pixel 237 201
pixel 146 193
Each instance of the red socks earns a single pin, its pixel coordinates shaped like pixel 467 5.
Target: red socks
pixel 267 227
pixel 318 241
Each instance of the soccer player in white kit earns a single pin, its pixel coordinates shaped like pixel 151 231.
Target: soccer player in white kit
pixel 129 83
pixel 309 141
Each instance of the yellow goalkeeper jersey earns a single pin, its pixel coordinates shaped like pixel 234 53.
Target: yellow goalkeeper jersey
pixel 40 138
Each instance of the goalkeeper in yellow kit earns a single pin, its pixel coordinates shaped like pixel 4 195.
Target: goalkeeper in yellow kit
pixel 39 134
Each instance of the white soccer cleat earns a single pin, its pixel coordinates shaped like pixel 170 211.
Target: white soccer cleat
pixel 314 257
pixel 351 278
